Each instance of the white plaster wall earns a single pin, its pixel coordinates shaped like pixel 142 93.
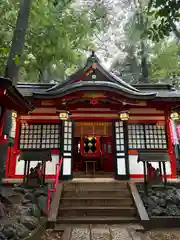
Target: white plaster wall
pixel 50 166
pixel 137 168
pixel 67 163
pixel 121 166
pixel 134 167
pixel 67 166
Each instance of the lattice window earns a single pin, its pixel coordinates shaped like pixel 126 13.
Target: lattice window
pixel 136 136
pixel 119 129
pixel 35 136
pixel 68 136
pixel 155 136
pixel 146 136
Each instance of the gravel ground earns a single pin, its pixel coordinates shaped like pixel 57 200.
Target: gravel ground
pixel 162 235
pixel 51 235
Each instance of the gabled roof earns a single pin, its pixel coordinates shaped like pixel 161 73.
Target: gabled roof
pixel 11 98
pixel 105 81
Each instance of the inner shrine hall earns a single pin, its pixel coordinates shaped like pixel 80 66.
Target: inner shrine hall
pixel 97 122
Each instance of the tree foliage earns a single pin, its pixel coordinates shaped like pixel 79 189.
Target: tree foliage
pixel 166 14
pixel 135 64
pixel 163 57
pixel 165 62
pixel 58 36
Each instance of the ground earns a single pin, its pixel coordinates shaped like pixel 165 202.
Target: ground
pixel 113 232
pixel 22 198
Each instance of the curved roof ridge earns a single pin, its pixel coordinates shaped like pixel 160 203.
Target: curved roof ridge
pixel 104 83
pixel 116 87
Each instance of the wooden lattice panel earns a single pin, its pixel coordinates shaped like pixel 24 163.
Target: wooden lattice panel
pixel 35 136
pixel 93 129
pixel 146 136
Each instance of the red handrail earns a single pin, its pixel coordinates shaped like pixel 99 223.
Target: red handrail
pixel 58 170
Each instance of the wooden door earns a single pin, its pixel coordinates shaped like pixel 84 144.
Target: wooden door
pixel 107 154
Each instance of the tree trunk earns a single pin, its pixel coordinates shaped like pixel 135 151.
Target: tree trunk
pixel 44 75
pixel 17 46
pixel 13 63
pixel 175 30
pixel 144 64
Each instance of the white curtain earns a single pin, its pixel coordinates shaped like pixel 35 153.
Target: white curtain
pixel 174 133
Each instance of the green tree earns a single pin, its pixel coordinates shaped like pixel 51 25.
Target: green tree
pixel 8 16
pixel 136 46
pixel 165 62
pixel 166 16
pixel 58 35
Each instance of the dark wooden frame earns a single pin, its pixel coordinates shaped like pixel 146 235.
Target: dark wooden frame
pixel 127 176
pixel 29 156
pixel 160 157
pixel 67 177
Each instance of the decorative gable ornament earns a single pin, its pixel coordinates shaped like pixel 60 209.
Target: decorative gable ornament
pixel 94 76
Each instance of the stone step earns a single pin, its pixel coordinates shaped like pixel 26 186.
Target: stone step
pixel 75 211
pixel 97 193
pixel 94 220
pixel 95 185
pixel 98 175
pixel 99 201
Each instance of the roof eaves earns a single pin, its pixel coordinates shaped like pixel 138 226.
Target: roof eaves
pixel 94 86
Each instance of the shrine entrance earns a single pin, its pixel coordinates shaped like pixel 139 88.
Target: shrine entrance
pixel 93 151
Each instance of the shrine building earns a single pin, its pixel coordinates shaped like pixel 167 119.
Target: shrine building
pixel 94 116
pixel 11 99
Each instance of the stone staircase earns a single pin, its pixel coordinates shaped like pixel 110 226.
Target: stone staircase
pixel 96 203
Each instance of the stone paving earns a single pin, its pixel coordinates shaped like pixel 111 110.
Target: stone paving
pixel 106 232
pixel 112 232
pixel 121 232
pixel 101 232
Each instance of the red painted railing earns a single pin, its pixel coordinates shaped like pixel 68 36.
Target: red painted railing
pixel 58 170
